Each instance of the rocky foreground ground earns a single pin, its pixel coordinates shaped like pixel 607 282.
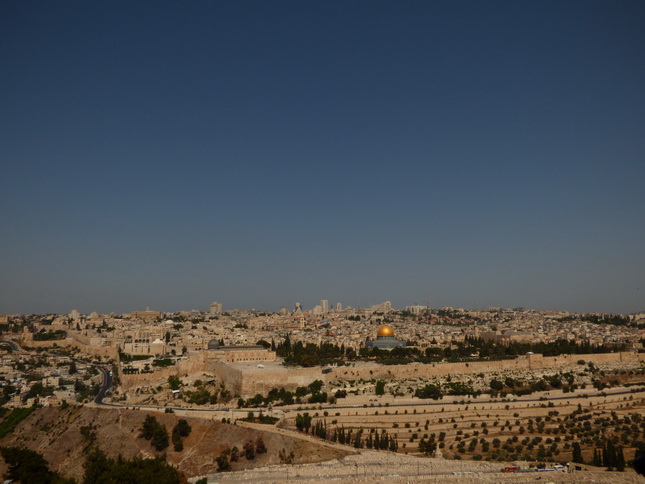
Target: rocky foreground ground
pixel 371 466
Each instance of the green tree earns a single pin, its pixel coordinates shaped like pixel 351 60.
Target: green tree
pixel 148 427
pixel 160 437
pixel 260 448
pixel 303 422
pixel 101 470
pixel 174 381
pixel 315 386
pixel 496 385
pixel 609 457
pixel 223 463
pixel 249 451
pixel 429 391
pixel 380 387
pixel 183 428
pixel 235 454
pixel 29 467
pixel 577 453
pixel 96 465
pixel 620 460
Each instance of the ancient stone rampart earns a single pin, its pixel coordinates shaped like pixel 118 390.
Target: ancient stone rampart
pixel 183 368
pixel 250 381
pixel 526 362
pixel 420 370
pixel 108 351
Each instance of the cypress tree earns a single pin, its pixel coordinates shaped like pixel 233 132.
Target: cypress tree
pixel 369 441
pixel 384 440
pixel 604 456
pixel 610 458
pixel 620 460
pixel 393 444
pixel 577 453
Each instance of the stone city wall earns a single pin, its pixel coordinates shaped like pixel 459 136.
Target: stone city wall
pixel 183 368
pixel 420 370
pixel 527 362
pixel 249 382
pixel 232 378
pixel 261 381
pixel 108 351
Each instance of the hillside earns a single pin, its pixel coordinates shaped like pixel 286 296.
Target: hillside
pixel 63 435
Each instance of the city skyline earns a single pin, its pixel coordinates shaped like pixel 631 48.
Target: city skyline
pixel 314 309
pixel 257 154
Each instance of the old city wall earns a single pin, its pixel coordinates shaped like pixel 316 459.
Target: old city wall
pixel 182 369
pixel 528 362
pixel 539 361
pixel 232 378
pixel 107 351
pixel 249 382
pixel 419 370
pixel 260 381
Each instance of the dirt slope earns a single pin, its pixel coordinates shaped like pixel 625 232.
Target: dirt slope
pixel 57 435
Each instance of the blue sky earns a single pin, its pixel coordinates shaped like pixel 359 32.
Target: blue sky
pixel 466 154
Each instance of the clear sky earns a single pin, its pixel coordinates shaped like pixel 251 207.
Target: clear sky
pixel 258 153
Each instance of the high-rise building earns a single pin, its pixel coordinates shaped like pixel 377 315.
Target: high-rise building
pixel 216 308
pixel 324 305
pixel 416 309
pixel 384 307
pixel 339 307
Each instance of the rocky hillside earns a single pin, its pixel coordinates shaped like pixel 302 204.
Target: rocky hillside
pixel 64 435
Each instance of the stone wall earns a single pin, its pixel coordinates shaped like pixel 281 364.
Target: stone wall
pixel 420 370
pixel 181 369
pixel 108 351
pixel 249 382
pixel 255 381
pixel 527 362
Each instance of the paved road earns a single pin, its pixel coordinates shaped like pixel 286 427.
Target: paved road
pixel 107 374
pixel 105 386
pixel 107 382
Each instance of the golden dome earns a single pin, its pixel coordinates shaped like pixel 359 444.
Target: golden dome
pixel 385 330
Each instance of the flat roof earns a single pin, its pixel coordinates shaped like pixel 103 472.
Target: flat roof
pixel 240 347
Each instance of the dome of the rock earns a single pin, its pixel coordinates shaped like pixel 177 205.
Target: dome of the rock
pixel 385 330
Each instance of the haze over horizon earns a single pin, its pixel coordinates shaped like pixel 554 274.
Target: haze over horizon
pixel 466 154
